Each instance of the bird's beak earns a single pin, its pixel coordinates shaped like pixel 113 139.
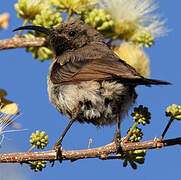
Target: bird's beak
pixel 47 31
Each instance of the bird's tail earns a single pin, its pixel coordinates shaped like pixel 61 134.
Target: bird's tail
pixel 145 81
pixel 155 82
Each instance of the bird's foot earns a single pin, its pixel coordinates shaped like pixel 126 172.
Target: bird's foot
pixel 58 149
pixel 117 140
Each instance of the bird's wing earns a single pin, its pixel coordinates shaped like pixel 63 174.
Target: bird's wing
pixel 97 69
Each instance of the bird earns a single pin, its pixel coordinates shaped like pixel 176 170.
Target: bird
pixel 87 81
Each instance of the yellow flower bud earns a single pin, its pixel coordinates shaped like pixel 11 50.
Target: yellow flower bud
pixel 9 107
pixel 6 106
pixel 4 19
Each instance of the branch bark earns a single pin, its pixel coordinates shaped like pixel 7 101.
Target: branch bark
pixel 100 152
pixel 17 42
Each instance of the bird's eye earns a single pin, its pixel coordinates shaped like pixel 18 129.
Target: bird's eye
pixel 72 33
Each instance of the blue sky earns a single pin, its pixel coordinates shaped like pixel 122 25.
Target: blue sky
pixel 24 78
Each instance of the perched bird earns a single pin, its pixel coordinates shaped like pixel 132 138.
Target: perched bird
pixel 87 81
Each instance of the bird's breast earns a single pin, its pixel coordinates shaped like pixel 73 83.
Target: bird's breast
pixel 99 102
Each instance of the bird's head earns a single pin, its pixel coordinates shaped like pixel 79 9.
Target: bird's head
pixel 69 35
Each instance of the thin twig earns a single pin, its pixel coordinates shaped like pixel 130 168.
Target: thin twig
pixel 70 13
pixel 17 42
pixel 166 129
pixel 87 153
pixel 109 42
pixel 31 149
pixel 130 131
pixel 24 23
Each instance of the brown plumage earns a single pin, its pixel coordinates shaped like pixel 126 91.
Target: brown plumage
pixel 99 69
pixel 87 81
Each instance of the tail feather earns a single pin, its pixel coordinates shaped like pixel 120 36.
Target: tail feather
pixel 144 81
pixel 155 82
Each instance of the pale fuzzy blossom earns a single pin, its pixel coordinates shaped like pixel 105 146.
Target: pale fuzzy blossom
pixel 134 17
pixel 4 20
pixel 134 56
pixel 8 120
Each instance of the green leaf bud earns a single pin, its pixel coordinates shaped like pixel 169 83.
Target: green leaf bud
pixel 141 115
pixel 99 19
pixel 125 163
pixel 136 135
pixel 133 165
pixel 143 39
pixel 139 159
pixel 28 9
pixel 37 165
pixel 47 18
pixel 174 111
pixel 39 139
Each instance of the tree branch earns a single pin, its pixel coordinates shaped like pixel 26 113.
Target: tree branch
pixel 100 152
pixel 17 42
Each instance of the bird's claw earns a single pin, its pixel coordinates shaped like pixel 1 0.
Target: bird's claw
pixel 117 140
pixel 58 149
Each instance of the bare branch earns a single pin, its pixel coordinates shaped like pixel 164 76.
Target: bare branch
pixel 17 42
pixel 100 152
